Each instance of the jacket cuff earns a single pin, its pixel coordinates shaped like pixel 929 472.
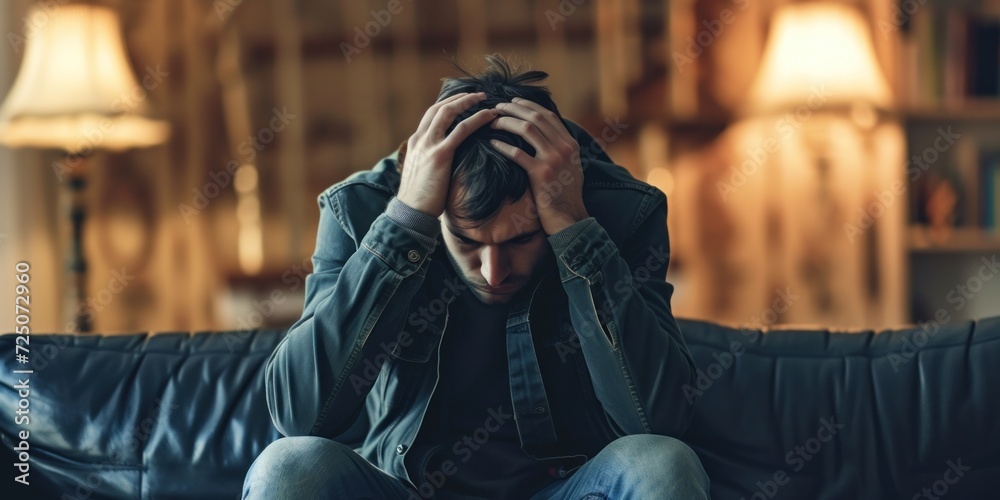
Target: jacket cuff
pixel 402 249
pixel 581 249
pixel 425 226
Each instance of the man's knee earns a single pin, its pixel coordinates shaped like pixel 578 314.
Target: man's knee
pixel 298 464
pixel 303 453
pixel 659 451
pixel 652 459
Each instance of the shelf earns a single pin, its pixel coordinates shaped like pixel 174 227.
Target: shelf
pixel 959 240
pixel 969 109
pixel 329 45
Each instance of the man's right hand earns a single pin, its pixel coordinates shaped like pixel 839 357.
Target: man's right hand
pixel 430 152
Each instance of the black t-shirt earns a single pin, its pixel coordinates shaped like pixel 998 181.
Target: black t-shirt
pixel 470 420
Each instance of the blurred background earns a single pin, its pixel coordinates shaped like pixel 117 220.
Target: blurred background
pixel 826 163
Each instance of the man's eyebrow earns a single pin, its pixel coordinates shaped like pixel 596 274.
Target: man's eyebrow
pixel 512 238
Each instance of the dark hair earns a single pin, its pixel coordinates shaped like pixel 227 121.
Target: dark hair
pixel 485 179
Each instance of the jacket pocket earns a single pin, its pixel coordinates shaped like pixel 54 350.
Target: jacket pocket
pixel 417 344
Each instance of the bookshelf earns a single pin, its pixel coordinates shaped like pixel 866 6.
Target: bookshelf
pixel 948 78
pixel 942 58
pixel 969 109
pixel 957 241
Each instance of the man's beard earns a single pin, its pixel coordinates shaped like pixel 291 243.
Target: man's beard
pixel 483 296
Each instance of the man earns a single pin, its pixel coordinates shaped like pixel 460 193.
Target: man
pixel 533 354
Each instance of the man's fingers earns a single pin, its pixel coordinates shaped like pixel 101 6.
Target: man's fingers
pixel 425 121
pixel 466 127
pixel 549 116
pixel 530 115
pixel 446 114
pixel 528 130
pixel 515 153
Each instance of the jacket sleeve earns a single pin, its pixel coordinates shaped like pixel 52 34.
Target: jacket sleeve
pixel 356 300
pixel 620 307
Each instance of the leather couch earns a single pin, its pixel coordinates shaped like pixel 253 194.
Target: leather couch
pixel 790 414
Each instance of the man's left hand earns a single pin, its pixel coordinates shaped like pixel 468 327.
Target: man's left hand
pixel 555 173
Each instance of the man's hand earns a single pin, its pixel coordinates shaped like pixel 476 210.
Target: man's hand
pixel 429 151
pixel 555 173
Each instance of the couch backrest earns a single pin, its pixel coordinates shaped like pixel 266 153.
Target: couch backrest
pixel 790 414
pixel 823 415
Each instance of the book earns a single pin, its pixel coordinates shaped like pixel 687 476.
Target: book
pixel 995 197
pixel 949 55
pixel 992 196
pixel 969 170
pixel 989 190
pixel 983 58
pixel 956 55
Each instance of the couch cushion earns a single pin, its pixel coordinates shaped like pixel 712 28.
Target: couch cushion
pixel 827 415
pixel 140 416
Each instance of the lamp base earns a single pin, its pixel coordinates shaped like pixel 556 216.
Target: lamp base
pixel 75 184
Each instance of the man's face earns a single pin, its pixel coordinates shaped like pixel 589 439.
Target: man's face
pixel 496 258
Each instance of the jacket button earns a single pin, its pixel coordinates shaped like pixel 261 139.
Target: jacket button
pixel 400 449
pixel 539 410
pixel 413 255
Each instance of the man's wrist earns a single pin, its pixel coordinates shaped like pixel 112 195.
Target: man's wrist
pixel 561 240
pixel 414 220
pixel 560 223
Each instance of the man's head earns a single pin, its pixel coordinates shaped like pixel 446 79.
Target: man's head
pixel 491 228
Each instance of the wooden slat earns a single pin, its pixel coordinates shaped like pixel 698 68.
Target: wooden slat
pixel 472 29
pixel 291 154
pixel 199 280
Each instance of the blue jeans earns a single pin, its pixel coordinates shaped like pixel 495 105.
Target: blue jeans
pixel 639 466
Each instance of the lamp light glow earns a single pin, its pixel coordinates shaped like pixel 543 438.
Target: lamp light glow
pixel 818 50
pixel 75 90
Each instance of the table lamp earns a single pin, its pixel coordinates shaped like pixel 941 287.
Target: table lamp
pixel 819 67
pixel 76 92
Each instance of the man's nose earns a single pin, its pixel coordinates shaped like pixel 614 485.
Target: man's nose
pixel 495 267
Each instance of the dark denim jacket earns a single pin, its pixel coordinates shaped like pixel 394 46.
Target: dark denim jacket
pixel 594 351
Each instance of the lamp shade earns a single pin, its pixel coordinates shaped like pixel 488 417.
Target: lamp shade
pixel 818 47
pixel 75 90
